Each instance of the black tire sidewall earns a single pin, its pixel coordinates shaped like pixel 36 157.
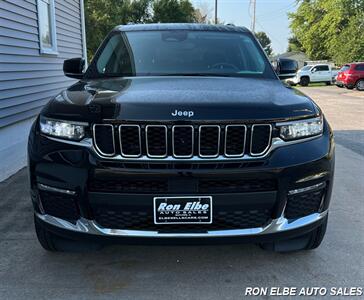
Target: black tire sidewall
pixel 357 85
pixel 45 238
pixel 317 235
pixel 304 81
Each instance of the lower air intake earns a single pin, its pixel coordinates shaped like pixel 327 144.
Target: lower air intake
pixel 303 204
pixel 222 220
pixel 59 205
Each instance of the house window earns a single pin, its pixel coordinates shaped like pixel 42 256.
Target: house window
pixel 47 27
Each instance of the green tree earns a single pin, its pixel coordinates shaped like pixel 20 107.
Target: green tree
pixel 330 29
pixel 294 44
pixel 176 11
pixel 306 27
pixel 265 41
pixel 103 15
pixel 348 46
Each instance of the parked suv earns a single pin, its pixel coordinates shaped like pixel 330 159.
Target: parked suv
pixel 287 67
pixel 314 73
pixel 351 75
pixel 180 133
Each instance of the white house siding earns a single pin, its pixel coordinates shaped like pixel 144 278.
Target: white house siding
pixel 29 79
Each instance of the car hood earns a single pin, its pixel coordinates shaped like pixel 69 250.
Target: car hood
pixel 158 98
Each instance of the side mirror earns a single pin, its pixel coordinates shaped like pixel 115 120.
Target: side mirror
pixel 74 67
pixel 313 70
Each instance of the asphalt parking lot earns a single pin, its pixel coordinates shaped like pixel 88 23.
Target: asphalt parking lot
pixel 196 272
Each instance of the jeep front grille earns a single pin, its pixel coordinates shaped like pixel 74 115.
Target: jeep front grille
pixel 235 140
pixel 183 141
pixel 104 139
pixel 209 141
pixel 261 135
pixel 158 141
pixel 130 140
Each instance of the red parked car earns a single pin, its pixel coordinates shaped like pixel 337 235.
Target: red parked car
pixel 351 75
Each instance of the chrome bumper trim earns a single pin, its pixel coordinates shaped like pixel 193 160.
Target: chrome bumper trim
pixel 307 188
pixel 90 227
pixel 48 188
pixel 313 177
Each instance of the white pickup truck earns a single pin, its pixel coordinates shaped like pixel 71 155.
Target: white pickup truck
pixel 314 73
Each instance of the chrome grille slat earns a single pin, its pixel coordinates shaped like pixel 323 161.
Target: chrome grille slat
pixel 148 142
pixel 123 149
pixel 227 135
pixel 182 141
pixel 175 145
pixel 98 145
pixel 202 135
pixel 253 143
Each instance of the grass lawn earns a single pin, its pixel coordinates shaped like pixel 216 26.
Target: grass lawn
pixel 317 84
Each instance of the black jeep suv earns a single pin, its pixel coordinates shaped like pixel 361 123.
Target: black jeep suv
pixel 180 132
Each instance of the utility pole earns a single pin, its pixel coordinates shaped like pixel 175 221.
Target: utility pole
pixel 215 11
pixel 253 3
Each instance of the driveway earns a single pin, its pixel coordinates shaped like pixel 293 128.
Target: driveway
pixel 344 109
pixel 196 272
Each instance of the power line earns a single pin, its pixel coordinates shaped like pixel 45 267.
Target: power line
pixel 282 9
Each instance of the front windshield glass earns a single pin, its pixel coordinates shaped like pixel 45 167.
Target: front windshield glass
pixel 306 68
pixel 181 52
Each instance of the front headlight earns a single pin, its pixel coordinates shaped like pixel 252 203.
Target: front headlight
pixel 300 129
pixel 63 129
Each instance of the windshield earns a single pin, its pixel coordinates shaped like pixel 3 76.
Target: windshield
pixel 180 52
pixel 289 64
pixel 345 68
pixel 306 68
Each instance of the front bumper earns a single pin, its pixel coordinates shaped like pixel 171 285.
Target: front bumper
pixel 280 227
pixel 296 79
pixel 69 169
pixel 348 81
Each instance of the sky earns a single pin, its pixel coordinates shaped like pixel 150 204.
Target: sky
pixel 271 17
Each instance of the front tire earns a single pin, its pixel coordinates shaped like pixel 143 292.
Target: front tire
pixel 45 238
pixel 360 85
pixel 317 236
pixel 304 81
pixel 308 241
pixel 54 243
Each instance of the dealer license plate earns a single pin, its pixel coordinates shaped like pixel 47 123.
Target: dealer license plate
pixel 183 210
